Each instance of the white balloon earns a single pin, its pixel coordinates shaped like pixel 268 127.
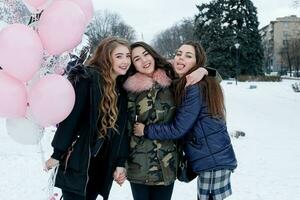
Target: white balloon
pixel 24 131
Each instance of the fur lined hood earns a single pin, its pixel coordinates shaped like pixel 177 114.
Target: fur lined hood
pixel 140 82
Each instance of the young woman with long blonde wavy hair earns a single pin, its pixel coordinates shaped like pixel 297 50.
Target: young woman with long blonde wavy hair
pixel 91 145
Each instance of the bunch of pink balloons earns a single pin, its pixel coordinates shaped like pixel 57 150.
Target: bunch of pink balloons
pixel 62 23
pixel 60 28
pixel 56 26
pixel 50 100
pixel 85 5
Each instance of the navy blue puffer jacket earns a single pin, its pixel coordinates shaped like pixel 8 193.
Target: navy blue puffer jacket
pixel 207 143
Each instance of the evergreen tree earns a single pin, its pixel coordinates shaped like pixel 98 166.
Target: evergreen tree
pixel 222 23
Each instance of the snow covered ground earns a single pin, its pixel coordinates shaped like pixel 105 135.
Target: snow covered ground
pixel 268 156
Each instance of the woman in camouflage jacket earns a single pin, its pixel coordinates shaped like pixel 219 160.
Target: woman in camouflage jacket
pixel 152 164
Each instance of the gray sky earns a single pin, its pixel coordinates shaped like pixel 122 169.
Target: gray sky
pixel 149 17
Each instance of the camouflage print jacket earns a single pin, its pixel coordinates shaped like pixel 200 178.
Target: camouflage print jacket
pixel 151 162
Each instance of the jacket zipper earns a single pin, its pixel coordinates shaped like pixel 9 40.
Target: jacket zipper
pixel 87 172
pixel 89 159
pixel 122 133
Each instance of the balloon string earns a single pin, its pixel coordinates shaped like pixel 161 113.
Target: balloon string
pixel 51 183
pixel 42 151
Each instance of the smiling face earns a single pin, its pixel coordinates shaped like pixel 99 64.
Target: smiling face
pixel 143 61
pixel 185 59
pixel 120 60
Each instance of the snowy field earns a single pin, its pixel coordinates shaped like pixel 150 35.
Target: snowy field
pixel 268 156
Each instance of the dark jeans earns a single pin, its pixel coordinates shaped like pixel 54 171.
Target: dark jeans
pixel 151 192
pixel 73 196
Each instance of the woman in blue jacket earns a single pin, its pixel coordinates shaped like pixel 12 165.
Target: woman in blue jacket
pixel 200 121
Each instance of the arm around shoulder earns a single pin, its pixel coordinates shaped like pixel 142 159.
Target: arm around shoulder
pixel 186 115
pixel 214 73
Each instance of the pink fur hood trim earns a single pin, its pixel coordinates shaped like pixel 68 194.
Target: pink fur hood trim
pixel 140 82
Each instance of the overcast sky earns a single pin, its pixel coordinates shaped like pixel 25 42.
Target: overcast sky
pixel 149 17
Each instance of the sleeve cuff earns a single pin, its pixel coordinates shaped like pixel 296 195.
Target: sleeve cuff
pixel 211 72
pixel 146 131
pixel 121 162
pixel 57 155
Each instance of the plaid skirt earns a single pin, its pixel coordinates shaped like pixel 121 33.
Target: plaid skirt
pixel 216 183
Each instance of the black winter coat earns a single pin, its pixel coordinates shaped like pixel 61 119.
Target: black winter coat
pixel 80 128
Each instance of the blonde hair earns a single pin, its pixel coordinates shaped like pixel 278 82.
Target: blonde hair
pixel 102 61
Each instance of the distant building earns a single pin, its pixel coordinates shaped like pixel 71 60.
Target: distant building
pixel 275 36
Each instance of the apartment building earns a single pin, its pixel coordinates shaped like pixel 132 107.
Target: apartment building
pixel 275 37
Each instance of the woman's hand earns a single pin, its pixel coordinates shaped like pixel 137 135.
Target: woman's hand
pixel 120 175
pixel 196 76
pixel 51 163
pixel 138 129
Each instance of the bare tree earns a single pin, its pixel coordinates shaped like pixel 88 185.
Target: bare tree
pixel 106 24
pixel 295 55
pixel 166 42
pixel 296 3
pixel 290 55
pixel 169 40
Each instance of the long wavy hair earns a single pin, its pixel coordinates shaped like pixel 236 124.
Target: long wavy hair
pixel 160 62
pixel 102 61
pixel 211 89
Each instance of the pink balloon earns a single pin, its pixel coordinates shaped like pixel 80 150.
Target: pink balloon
pixel 37 4
pixel 13 97
pixel 87 8
pixel 51 100
pixel 21 51
pixel 61 26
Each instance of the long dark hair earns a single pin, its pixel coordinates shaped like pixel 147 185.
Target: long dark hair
pixel 211 89
pixel 102 61
pixel 160 62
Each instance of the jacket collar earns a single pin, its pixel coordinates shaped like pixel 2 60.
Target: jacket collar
pixel 140 82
